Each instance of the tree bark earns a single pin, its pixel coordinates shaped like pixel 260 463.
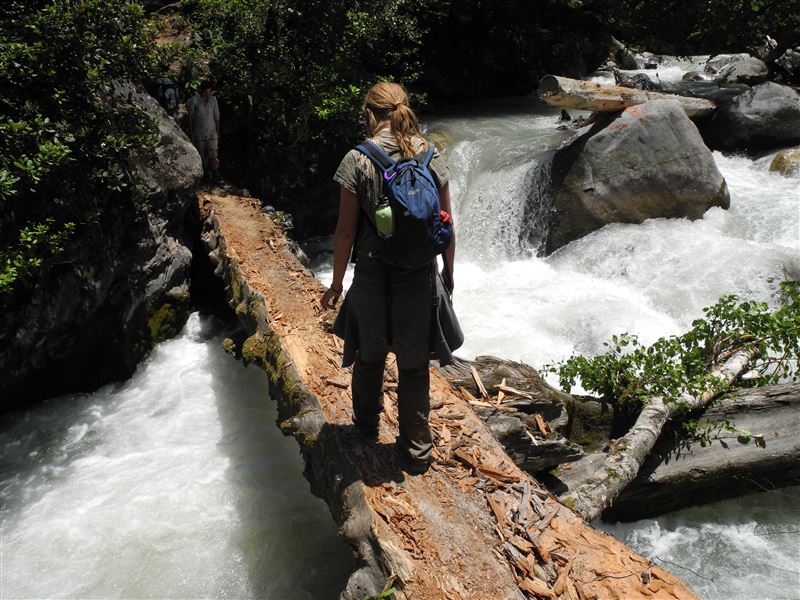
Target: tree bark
pixel 474 525
pixel 597 97
pixel 627 454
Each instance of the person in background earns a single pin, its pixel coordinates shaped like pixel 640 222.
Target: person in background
pixel 204 129
pixel 387 308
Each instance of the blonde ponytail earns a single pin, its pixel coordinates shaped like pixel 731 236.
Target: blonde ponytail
pixel 389 101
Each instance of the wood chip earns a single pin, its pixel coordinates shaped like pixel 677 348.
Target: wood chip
pixel 561 583
pixel 533 439
pixel 500 394
pixel 466 394
pixel 524 545
pixel 480 403
pixel 513 391
pixel 445 434
pixel 542 424
pixel 536 587
pixel 498 512
pixel 497 474
pixel 465 457
pixel 479 383
pixel 336 383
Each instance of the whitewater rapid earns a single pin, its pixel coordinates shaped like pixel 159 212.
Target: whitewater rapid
pixel 174 484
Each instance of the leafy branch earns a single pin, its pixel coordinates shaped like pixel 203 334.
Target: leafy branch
pixel 628 373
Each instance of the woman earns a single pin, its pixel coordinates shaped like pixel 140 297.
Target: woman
pixel 387 308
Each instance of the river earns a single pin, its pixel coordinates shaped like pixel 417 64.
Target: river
pixel 174 484
pixel 178 484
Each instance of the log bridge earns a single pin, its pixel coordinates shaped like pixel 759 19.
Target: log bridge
pixel 473 526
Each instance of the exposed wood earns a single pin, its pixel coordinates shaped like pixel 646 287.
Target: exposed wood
pixel 500 394
pixel 503 388
pixel 436 535
pixel 599 97
pixel 479 383
pixel 541 424
pixel 337 383
pixel 627 454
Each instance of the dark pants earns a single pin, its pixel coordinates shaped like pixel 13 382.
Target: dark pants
pixel 413 404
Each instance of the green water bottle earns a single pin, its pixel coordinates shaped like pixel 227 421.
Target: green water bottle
pixel 384 221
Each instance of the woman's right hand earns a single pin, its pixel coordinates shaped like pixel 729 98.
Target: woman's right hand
pixel 330 298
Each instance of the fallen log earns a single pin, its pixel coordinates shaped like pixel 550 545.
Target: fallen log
pixel 624 459
pixel 475 525
pixel 679 474
pixel 598 97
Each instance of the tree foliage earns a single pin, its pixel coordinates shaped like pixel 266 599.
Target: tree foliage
pixel 63 140
pixel 703 27
pixel 291 75
pixel 628 373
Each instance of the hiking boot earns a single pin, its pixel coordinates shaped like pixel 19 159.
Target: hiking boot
pixel 411 465
pixel 369 431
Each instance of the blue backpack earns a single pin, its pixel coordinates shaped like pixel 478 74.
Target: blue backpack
pixel 416 233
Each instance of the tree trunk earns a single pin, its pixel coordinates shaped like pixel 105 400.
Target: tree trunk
pixel 598 97
pixel 474 525
pixel 627 454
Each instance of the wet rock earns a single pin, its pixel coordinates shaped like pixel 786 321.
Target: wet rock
pixel 786 162
pixel 647 162
pixel 717 63
pixel 91 318
pixel 623 57
pixel 787 66
pixel 639 81
pixel 735 68
pixel 762 118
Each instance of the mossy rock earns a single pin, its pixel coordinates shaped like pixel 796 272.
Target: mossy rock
pixel 786 162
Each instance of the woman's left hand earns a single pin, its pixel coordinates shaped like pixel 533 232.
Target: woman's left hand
pixel 330 298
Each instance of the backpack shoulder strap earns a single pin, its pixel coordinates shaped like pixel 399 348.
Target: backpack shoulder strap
pixel 427 156
pixel 376 154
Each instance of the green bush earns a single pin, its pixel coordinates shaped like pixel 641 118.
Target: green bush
pixel 706 26
pixel 290 76
pixel 629 373
pixel 63 139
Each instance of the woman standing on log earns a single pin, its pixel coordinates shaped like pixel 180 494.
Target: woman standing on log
pixel 389 308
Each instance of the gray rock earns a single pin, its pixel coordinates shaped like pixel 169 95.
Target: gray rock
pixel 647 162
pixel 715 64
pixel 91 318
pixel 751 71
pixel 787 66
pixel 763 118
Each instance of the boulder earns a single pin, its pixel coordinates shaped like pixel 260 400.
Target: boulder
pixel 786 162
pixel 647 162
pixel 751 71
pixel 787 66
pixel 763 118
pixel 118 288
pixel 737 68
pixel 716 63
